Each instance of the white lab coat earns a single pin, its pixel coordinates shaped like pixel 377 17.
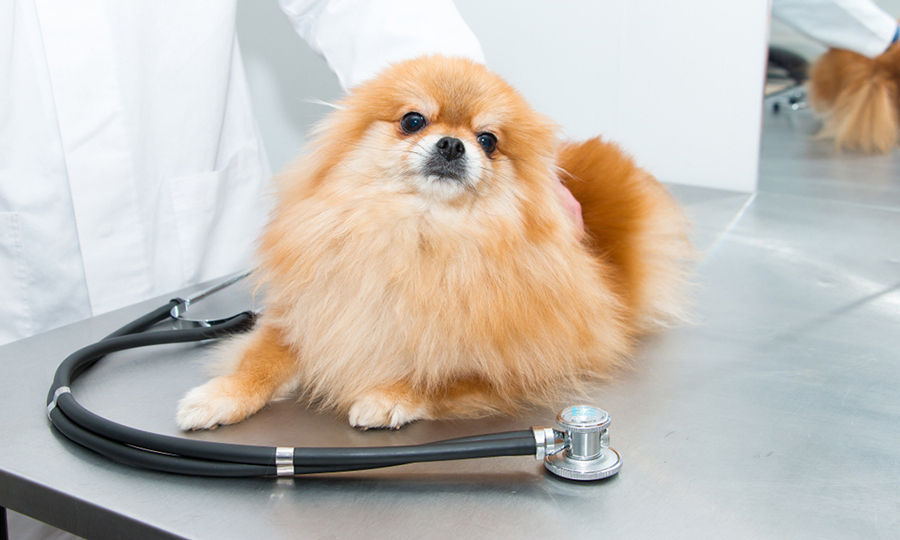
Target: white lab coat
pixel 856 25
pixel 130 163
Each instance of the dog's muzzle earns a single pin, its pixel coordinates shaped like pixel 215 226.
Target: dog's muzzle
pixel 447 160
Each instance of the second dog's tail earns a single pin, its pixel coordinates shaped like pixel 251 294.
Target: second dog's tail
pixel 859 95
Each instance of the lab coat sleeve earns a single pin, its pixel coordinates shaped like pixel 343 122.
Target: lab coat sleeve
pixel 359 38
pixel 855 25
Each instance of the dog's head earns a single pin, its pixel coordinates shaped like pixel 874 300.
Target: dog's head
pixel 444 133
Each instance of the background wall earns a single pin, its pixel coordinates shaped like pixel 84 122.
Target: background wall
pixel 284 75
pixel 678 84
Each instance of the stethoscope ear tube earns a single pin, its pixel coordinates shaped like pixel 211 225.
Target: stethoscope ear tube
pixel 130 337
pixel 203 458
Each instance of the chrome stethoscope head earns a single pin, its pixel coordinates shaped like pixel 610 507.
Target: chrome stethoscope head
pixel 579 449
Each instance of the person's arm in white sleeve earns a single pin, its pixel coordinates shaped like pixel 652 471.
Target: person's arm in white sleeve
pixel 856 25
pixel 359 38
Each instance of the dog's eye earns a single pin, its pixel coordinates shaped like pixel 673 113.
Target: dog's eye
pixel 412 122
pixel 488 142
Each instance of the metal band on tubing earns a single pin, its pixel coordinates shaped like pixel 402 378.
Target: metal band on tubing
pixel 59 391
pixel 284 461
pixel 545 440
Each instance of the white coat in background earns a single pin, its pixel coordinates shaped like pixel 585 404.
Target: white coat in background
pixel 130 162
pixel 856 25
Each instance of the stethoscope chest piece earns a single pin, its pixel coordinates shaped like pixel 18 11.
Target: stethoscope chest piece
pixel 586 454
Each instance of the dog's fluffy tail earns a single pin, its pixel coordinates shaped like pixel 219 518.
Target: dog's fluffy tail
pixel 632 225
pixel 859 97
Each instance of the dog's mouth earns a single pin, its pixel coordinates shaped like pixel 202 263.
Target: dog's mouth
pixel 438 168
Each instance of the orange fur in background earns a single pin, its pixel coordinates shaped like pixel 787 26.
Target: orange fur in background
pixel 394 296
pixel 859 98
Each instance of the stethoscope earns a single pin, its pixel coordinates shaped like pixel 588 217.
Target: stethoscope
pixel 577 449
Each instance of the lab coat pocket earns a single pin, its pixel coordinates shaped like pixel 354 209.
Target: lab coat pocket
pixel 14 307
pixel 218 217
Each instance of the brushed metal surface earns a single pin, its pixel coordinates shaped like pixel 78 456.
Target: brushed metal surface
pixel 775 414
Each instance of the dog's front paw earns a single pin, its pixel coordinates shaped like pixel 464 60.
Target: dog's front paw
pixel 220 401
pixel 383 410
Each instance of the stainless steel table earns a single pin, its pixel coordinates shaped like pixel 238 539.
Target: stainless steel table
pixel 774 415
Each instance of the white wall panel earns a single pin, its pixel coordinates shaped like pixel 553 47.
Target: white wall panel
pixel 678 84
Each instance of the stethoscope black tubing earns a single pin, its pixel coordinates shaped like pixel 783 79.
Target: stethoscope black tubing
pixel 130 336
pixel 146 459
pixel 203 458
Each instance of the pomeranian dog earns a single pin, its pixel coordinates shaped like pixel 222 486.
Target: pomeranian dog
pixel 421 263
pixel 860 98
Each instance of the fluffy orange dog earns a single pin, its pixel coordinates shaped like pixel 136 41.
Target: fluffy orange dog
pixel 420 263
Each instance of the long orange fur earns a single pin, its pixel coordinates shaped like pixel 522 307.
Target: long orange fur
pixel 859 98
pixel 391 302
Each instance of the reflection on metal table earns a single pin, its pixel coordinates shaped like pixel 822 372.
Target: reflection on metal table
pixel 773 415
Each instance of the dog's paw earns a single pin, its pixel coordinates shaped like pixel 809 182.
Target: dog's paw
pixel 382 410
pixel 217 402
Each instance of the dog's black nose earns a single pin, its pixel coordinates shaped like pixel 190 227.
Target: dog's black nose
pixel 451 148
